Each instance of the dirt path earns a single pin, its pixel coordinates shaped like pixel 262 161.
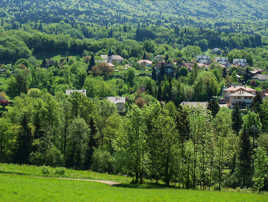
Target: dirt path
pixel 108 182
pixel 111 183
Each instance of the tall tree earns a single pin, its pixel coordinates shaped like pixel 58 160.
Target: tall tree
pixel 213 106
pixel 236 119
pixel 77 142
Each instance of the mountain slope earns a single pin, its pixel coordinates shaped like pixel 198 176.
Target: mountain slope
pixel 134 11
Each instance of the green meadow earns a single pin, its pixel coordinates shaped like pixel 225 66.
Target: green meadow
pixel 26 183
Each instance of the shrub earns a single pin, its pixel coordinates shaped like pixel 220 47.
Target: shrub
pixel 60 171
pixel 102 161
pixel 45 170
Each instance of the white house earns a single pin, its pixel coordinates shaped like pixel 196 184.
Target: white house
pixel 240 62
pixel 114 59
pixel 120 103
pixel 69 92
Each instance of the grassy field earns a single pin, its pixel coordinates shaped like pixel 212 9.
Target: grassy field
pixel 14 187
pixel 37 171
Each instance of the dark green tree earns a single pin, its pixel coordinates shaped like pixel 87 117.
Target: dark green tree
pixel 213 106
pixel 236 119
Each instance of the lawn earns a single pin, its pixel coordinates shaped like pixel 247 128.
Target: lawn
pixel 37 171
pixel 28 188
pixel 27 183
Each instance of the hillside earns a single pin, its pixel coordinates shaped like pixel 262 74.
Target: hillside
pixel 121 11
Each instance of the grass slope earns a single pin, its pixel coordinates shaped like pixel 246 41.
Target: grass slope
pixel 27 170
pixel 24 183
pixel 27 188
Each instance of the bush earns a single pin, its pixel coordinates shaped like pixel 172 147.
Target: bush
pixel 60 171
pixel 102 161
pixel 45 170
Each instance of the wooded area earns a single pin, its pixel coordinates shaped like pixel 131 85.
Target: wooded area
pixel 59 46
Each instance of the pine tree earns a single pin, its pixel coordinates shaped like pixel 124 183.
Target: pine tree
pixel 91 63
pixel 213 106
pixel 256 104
pixel 244 159
pixel 236 119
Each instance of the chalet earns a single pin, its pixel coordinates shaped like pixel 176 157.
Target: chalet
pixel 240 62
pixel 223 61
pixel 114 59
pixel 120 103
pixel 203 59
pixel 260 77
pixel 239 95
pixel 145 63
pixel 69 92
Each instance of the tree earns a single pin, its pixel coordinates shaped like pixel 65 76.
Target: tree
pixel 205 86
pixel 245 169
pixel 91 63
pixel 24 141
pixel 19 83
pixel 77 142
pixel 236 119
pixel 213 106
pixel 166 143
pixel 256 104
pixel 252 126
pixel 224 146
pixel 103 69
pixel 264 114
pixel 130 77
pixel 260 177
pixel 135 144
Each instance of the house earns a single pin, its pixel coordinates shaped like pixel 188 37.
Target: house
pixel 2 70
pixel 223 61
pixel 165 68
pixel 114 59
pixel 256 71
pixel 265 93
pixel 203 59
pixel 159 58
pixel 260 77
pixel 203 105
pixel 145 63
pixel 69 92
pixel 216 51
pixel 239 95
pixel 240 62
pixel 120 103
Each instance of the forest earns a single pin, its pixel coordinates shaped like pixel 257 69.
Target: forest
pixel 58 46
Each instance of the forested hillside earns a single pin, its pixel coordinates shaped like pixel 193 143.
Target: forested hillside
pixel 104 12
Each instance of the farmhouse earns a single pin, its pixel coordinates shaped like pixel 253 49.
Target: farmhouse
pixel 239 95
